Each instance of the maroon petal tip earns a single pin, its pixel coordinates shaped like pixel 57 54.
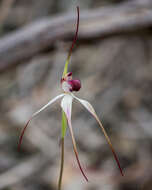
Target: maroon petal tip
pixel 22 134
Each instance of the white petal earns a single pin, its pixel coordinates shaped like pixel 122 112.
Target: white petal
pixel 66 105
pixel 49 103
pixel 86 104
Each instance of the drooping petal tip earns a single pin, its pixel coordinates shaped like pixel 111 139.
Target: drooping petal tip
pixel 37 112
pixel 66 105
pixel 22 134
pixel 89 107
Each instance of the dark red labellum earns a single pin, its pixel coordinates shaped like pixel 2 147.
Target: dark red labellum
pixel 75 85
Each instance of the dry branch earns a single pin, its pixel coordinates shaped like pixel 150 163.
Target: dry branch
pixel 97 23
pixel 4 10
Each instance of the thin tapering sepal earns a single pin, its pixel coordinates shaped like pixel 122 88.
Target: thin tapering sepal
pixel 110 144
pixel 75 151
pixel 89 107
pixel 37 112
pixel 22 134
pixel 73 43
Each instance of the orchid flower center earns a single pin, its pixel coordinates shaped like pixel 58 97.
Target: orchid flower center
pixel 70 85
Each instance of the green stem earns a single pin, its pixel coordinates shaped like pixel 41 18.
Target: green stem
pixel 63 131
pixel 64 125
pixel 62 164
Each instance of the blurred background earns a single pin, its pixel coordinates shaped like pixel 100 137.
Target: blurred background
pixel 113 59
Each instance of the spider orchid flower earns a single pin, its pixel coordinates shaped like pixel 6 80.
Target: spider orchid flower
pixel 69 86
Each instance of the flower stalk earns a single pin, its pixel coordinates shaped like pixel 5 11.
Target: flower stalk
pixel 62 164
pixel 63 132
pixel 64 119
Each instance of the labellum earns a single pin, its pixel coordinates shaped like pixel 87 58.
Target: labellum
pixel 70 85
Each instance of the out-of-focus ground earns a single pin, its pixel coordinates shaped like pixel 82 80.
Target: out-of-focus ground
pixel 116 76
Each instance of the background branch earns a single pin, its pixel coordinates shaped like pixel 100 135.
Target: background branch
pixel 4 10
pixel 99 23
pixel 23 170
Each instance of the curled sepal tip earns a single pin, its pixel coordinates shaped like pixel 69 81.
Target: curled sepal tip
pixel 45 106
pixel 22 134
